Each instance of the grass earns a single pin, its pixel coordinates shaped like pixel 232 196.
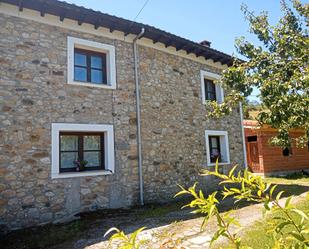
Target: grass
pixel 156 210
pixel 257 237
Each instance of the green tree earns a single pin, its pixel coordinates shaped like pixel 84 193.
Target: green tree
pixel 278 67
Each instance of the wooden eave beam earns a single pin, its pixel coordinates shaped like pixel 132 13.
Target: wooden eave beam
pixel 97 24
pixel 20 5
pixel 180 47
pixel 156 39
pixel 81 20
pixel 62 16
pixel 169 43
pixel 43 9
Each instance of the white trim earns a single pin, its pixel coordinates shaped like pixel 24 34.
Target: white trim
pixel 224 144
pixel 109 50
pixel 219 89
pixel 12 10
pixel 56 128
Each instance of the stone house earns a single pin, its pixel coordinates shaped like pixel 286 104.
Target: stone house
pixel 78 85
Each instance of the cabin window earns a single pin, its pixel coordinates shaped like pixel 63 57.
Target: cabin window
pixel 287 151
pixel 252 139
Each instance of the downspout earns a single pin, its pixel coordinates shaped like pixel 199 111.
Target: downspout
pixel 138 118
pixel 243 134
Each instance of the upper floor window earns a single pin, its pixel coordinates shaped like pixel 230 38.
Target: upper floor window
pixel 211 91
pixel 89 66
pixel 91 63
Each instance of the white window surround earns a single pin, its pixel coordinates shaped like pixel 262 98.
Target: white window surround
pixel 224 146
pixel 108 144
pixel 109 50
pixel 219 89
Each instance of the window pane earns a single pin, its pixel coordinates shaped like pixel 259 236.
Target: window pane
pixel 210 86
pixel 80 74
pixel 211 96
pixel 93 158
pixel 69 142
pixel 96 76
pixel 214 143
pixel 80 59
pixel 91 142
pixel 96 62
pixel 67 159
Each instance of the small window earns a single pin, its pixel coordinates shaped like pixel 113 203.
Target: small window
pixel 217 147
pixel 210 90
pixel 89 66
pixel 287 151
pixel 91 63
pixel 81 151
pixel 252 139
pixel 214 149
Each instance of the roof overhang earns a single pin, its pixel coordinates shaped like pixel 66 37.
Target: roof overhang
pixel 99 19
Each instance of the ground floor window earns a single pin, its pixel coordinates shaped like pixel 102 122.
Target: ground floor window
pixel 82 150
pixel 217 147
pixel 214 149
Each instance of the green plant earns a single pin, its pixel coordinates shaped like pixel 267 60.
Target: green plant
pixel 246 186
pixel 125 241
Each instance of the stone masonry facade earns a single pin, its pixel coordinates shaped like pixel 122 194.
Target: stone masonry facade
pixel 34 94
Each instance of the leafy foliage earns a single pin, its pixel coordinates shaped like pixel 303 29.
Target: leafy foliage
pixel 125 241
pixel 288 225
pixel 278 67
pixel 248 187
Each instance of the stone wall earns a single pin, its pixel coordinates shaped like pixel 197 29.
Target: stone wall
pixel 34 94
pixel 174 121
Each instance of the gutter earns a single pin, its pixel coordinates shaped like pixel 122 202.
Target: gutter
pixel 243 135
pixel 138 117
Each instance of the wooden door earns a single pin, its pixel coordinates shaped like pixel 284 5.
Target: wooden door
pixel 253 156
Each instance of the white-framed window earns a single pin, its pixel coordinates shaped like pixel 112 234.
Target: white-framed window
pixel 211 91
pixel 82 150
pixel 91 63
pixel 217 147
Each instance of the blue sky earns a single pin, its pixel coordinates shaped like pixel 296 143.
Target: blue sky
pixel 218 21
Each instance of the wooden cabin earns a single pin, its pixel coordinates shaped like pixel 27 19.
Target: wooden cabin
pixel 266 159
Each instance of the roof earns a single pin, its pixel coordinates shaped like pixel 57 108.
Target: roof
pixel 99 19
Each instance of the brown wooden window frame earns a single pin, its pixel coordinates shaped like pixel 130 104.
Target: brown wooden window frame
pixel 81 150
pixel 211 148
pixel 89 54
pixel 209 93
